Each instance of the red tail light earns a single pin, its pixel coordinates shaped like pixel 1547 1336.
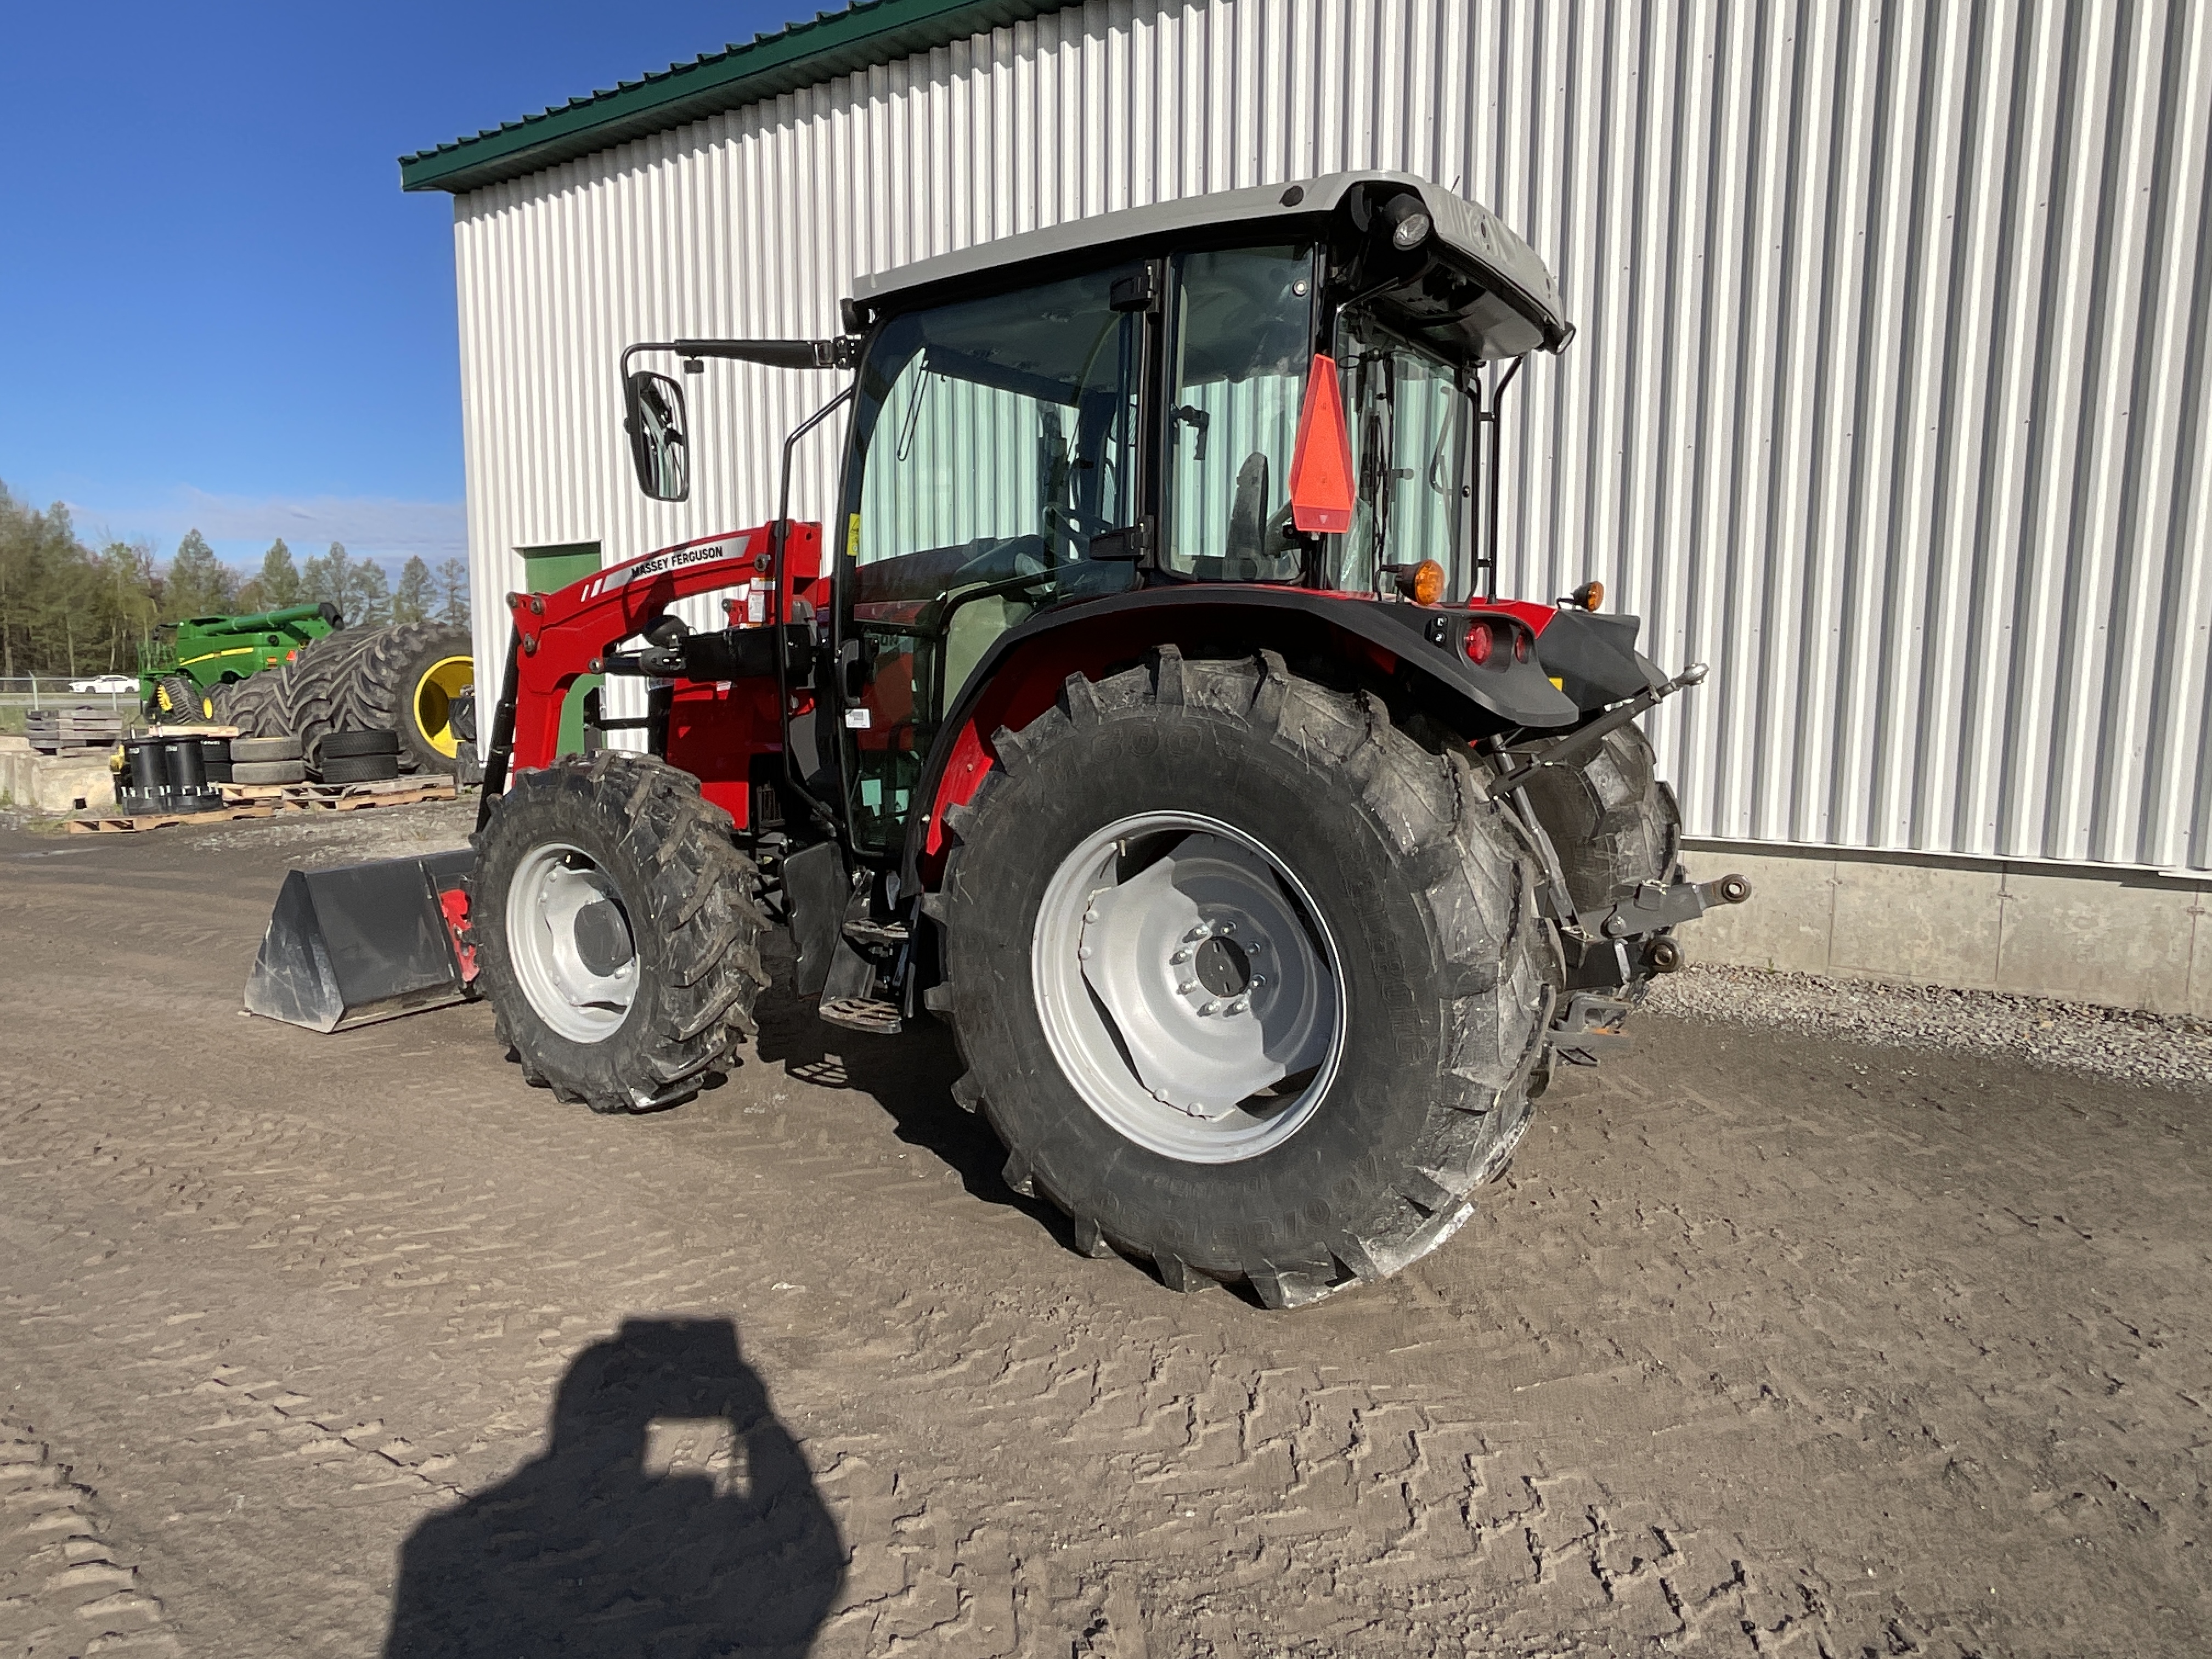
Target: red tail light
pixel 1321 487
pixel 1520 645
pixel 1479 642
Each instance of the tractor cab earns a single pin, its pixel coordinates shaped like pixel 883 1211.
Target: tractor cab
pixel 1278 388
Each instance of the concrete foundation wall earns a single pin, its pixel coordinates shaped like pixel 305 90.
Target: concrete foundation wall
pixel 53 783
pixel 2127 939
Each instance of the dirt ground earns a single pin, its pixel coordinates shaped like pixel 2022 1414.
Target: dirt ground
pixel 1767 1344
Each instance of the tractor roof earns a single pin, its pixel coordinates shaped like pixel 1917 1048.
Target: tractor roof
pixel 1477 235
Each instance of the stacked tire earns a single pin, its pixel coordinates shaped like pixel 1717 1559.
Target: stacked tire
pixel 267 760
pixel 412 680
pixel 358 757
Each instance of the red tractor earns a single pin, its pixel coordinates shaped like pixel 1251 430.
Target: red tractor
pixel 1147 716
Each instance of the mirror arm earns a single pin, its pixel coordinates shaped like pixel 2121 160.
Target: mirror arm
pixel 842 352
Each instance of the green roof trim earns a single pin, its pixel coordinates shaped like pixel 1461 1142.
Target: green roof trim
pixel 867 32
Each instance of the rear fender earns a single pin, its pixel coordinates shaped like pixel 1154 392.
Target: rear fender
pixel 1417 645
pixel 1591 656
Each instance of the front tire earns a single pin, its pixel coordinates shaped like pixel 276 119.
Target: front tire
pixel 619 930
pixel 1302 815
pixel 180 701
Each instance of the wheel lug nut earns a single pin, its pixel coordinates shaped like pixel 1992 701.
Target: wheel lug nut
pixel 1226 928
pixel 1206 1008
pixel 1258 979
pixel 1196 933
pixel 1180 957
pixel 1083 952
pixel 1241 1006
pixel 1185 986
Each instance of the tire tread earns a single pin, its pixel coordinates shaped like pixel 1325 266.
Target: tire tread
pixel 703 892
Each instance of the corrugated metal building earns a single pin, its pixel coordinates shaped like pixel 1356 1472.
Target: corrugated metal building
pixel 1891 399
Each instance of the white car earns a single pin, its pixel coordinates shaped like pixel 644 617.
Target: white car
pixel 107 684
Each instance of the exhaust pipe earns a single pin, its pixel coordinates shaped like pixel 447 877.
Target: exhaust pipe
pixel 366 942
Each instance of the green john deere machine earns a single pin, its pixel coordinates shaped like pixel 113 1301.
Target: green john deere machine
pixel 182 668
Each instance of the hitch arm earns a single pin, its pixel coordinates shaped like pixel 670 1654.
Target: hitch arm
pixel 1589 737
pixel 1666 904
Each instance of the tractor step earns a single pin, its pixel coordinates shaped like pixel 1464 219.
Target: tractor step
pixel 889 935
pixel 863 1014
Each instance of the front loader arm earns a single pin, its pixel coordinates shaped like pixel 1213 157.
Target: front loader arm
pixel 562 636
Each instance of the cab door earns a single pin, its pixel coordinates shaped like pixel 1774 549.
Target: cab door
pixel 994 440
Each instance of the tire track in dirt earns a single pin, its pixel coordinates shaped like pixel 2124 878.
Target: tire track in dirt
pixel 64 1591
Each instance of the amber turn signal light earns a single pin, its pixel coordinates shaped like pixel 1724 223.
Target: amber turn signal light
pixel 1422 583
pixel 1587 596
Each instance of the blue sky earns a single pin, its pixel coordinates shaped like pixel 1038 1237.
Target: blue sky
pixel 216 307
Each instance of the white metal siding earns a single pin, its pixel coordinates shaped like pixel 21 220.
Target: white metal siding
pixel 1890 400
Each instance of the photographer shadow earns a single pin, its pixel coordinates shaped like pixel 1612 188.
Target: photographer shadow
pixel 671 1515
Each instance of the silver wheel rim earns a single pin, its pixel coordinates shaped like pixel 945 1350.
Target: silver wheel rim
pixel 576 961
pixel 1189 987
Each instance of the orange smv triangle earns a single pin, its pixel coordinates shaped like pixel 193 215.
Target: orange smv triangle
pixel 1321 488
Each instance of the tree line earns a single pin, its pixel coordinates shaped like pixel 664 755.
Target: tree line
pixel 66 608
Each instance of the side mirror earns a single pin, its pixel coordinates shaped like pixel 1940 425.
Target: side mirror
pixel 652 415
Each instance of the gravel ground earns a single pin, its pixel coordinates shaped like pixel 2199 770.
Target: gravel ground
pixel 2123 1044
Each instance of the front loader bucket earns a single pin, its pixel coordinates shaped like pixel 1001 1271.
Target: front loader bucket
pixel 364 942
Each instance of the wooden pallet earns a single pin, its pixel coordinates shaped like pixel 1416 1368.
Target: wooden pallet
pixel 55 731
pixel 266 800
pixel 340 797
pixel 107 826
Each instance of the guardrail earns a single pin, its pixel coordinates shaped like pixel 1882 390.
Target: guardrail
pixel 53 691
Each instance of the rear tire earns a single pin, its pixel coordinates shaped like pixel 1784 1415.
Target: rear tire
pixel 623 1008
pixel 1612 823
pixel 1420 906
